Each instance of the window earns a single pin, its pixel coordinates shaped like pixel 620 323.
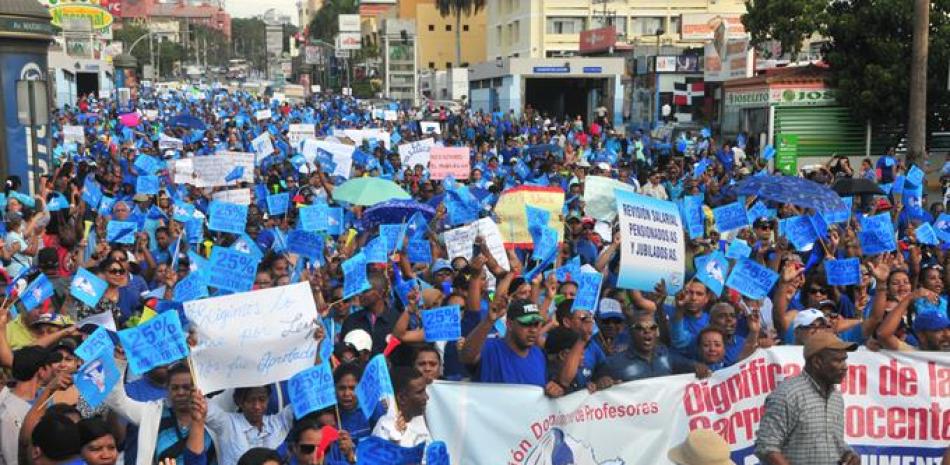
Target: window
pixel 564 25
pixel 647 26
pixel 619 22
pixel 498 37
pixel 448 65
pixel 448 28
pixel 465 27
pixel 517 37
pixel 432 27
pixel 431 65
pixel 675 23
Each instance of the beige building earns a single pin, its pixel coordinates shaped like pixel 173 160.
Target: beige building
pixel 436 35
pixel 551 28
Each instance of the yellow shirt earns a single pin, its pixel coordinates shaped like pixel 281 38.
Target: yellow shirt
pixel 18 335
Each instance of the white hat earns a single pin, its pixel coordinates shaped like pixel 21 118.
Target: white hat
pixel 359 339
pixel 806 317
pixel 603 166
pixel 609 308
pixel 701 447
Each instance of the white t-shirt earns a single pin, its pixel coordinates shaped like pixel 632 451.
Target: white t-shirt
pixel 13 410
pixel 416 431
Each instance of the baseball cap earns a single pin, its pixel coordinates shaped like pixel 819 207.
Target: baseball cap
pixel 54 319
pixel 440 265
pixel 573 215
pixel 140 198
pixel 760 221
pixel 524 311
pixel 28 360
pixel 603 166
pixel 826 340
pixel 609 308
pixel 931 321
pixel 807 317
pixel 359 339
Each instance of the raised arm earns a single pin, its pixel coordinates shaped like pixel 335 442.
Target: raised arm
pixel 472 351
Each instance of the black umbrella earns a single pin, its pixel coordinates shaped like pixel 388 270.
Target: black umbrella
pixel 847 187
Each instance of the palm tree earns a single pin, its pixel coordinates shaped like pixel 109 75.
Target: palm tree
pixel 458 8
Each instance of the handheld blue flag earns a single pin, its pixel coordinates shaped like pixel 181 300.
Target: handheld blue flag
pixel 843 272
pixel 87 287
pixel 97 342
pixel 235 174
pixel 712 270
pixel 38 291
pixel 354 276
pixel 588 292
pixel 96 378
pixel 374 384
pixel 751 279
pixel 121 232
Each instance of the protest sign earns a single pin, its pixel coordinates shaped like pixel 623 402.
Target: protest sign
pixel 416 153
pixel 340 154
pixel 335 221
pixel 359 135
pixel 588 291
pixel 447 162
pixel 96 378
pixel 800 232
pixel 147 185
pixel 235 196
pixel 633 421
pixel 538 218
pixel 843 272
pixel 546 246
pixel 877 234
pixel 146 164
pixel 926 234
pixel 442 323
pixel 261 115
pixel 73 134
pixel 652 246
pixel 512 220
pixel 232 270
pixel 419 251
pixel 121 232
pixel 227 217
pixel 297 133
pixel 488 230
pixel 277 204
pixel 169 142
pixel 375 251
pixel 313 217
pixel 211 170
pixel 279 321
pixel 600 198
pixel 263 146
pixel 430 127
pixel 730 217
pixel 392 236
pixel 377 451
pixel 87 287
pixel 96 343
pixel 751 279
pixel 459 241
pixel 693 216
pixel 737 249
pixel 390 115
pixel 915 176
pixel 305 243
pixel 158 341
pixel 374 385
pixel 312 389
pixel 354 276
pixel 193 287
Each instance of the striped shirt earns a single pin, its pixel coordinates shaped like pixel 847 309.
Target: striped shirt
pixel 804 423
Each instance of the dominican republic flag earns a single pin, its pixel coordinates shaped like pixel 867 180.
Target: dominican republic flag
pixel 687 93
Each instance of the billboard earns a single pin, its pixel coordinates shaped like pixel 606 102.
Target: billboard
pixel 349 41
pixel 598 40
pixel 349 23
pixel 701 26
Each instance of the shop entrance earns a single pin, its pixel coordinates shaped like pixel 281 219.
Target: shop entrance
pixel 87 83
pixel 567 97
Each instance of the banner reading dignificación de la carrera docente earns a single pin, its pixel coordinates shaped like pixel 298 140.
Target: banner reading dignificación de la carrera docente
pixel 897 412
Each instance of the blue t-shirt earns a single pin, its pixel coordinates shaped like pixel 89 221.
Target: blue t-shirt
pixel 500 364
pixel 355 423
pixel 593 357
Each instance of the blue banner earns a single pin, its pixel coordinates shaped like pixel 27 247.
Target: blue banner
pixel 374 385
pixel 227 217
pixel 730 217
pixel 312 389
pixel 751 279
pixel 843 272
pixel 158 341
pixel 442 323
pixel 232 270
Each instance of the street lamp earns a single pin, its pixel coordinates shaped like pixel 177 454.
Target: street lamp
pixel 656 94
pixel 659 32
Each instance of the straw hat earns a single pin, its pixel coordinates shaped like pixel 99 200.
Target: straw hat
pixel 701 447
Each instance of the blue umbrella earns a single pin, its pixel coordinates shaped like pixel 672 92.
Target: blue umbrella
pixel 184 120
pixel 394 212
pixel 794 190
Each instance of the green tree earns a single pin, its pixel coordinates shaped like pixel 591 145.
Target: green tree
pixel 325 23
pixel 128 35
pixel 868 50
pixel 459 8
pixel 248 41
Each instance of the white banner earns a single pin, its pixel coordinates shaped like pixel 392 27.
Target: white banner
pixel 342 154
pixel 359 135
pixel 460 241
pixel 169 142
pixel 262 114
pixel 73 134
pixel 897 411
pixel 263 146
pixel 210 171
pixel 430 127
pixel 252 338
pixel 416 153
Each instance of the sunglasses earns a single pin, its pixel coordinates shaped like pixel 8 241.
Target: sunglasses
pixel 116 271
pixel 533 324
pixel 644 329
pixel 766 227
pixel 817 290
pixel 307 448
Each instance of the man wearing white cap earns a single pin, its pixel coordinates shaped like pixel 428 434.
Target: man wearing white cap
pixel 804 417
pixel 807 323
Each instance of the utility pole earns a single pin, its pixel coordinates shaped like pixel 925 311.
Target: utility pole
pixel 917 110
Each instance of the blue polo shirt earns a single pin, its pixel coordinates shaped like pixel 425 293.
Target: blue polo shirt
pixel 500 364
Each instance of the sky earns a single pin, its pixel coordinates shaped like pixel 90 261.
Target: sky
pixel 249 8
